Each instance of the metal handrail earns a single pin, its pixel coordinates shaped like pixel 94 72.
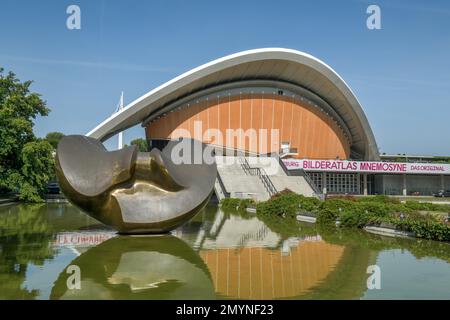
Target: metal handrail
pixel 282 165
pixel 261 173
pixel 245 166
pixel 307 177
pixel 311 183
pixel 266 181
pixel 222 186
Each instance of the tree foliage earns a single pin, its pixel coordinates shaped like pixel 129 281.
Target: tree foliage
pixel 141 144
pixel 53 138
pixel 26 162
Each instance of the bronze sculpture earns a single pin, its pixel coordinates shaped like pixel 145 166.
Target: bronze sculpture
pixel 136 192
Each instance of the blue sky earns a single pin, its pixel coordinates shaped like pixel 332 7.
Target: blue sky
pixel 400 74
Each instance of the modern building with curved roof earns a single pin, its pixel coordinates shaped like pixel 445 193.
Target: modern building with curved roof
pixel 313 108
pixel 281 102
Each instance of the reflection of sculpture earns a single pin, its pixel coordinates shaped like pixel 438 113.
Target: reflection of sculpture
pixel 132 191
pixel 144 267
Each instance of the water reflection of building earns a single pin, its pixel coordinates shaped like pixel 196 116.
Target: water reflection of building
pixel 247 260
pixel 264 273
pixel 238 232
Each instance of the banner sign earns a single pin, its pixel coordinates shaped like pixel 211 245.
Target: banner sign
pixel 366 166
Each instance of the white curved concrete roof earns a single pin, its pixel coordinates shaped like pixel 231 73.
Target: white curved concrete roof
pixel 279 64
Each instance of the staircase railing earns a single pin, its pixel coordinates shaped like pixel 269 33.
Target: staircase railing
pixel 313 186
pixel 317 192
pixel 222 186
pixel 282 165
pixel 261 173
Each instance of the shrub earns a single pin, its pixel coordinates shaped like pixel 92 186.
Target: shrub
pixel 284 192
pixel 338 205
pixel 422 206
pixel 327 216
pixel 245 203
pixel 309 204
pixel 288 203
pixel 351 213
pixel 401 208
pixel 236 204
pixel 427 229
pixel 342 197
pixel 353 220
pixel 230 203
pixel 281 206
pixel 374 208
pixel 355 213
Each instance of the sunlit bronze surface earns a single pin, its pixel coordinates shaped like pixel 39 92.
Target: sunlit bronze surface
pixel 131 191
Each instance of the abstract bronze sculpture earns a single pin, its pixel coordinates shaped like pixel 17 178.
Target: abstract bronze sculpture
pixel 136 192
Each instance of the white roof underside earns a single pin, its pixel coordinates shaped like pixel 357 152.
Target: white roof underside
pixel 277 64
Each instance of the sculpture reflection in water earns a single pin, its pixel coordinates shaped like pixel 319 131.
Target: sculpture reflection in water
pixel 138 267
pixel 137 192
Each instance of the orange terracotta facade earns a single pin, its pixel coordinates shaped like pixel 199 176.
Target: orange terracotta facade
pixel 309 130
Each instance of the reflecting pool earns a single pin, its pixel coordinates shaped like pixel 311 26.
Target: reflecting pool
pixel 54 251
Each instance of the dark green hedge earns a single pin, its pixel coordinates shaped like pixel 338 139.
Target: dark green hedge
pixel 359 212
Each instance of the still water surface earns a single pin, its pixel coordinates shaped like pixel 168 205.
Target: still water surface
pixel 216 255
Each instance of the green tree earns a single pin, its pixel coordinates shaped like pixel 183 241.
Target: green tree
pixel 141 144
pixel 37 170
pixel 53 138
pixel 26 162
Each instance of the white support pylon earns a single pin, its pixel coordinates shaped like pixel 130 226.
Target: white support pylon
pixel 120 138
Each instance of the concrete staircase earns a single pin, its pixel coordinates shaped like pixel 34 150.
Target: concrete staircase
pixel 280 179
pixel 240 184
pixel 236 182
pixel 297 184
